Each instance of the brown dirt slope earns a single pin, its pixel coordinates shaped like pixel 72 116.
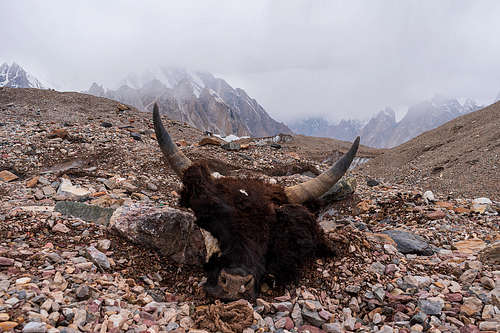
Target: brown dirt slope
pixel 316 148
pixel 460 158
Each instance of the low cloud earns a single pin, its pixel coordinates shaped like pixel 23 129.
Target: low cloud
pixel 335 59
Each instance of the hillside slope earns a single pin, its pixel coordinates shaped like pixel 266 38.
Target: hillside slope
pixel 128 140
pixel 460 158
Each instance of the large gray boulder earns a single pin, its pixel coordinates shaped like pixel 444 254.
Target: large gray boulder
pixel 171 232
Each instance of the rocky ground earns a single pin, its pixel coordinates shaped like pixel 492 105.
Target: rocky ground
pixel 408 260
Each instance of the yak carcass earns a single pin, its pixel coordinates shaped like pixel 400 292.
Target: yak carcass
pixel 261 228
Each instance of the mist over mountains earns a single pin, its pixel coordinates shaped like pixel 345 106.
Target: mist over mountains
pixel 197 98
pixel 382 130
pixel 211 104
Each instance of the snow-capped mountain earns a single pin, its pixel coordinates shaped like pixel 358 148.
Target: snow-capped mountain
pixel 384 132
pixel 198 98
pixel 14 76
pixel 375 131
pixel 425 116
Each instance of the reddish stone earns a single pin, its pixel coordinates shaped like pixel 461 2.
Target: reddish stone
pixel 32 182
pixel 398 298
pixel 311 329
pixel 469 329
pixel 444 204
pixel 170 297
pixel 436 215
pixel 59 133
pixel 6 261
pixel 48 273
pixel 461 210
pixel 7 176
pixel 389 269
pixel 211 140
pixel 283 298
pixel 289 324
pixel 284 322
pixel 399 308
pixel 148 323
pixel 93 307
pixel 453 297
pixel 145 315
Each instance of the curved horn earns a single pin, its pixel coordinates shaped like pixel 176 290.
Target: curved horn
pixel 177 160
pixel 318 186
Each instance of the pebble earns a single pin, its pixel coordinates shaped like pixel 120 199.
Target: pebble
pixel 7 176
pixel 431 306
pixel 353 289
pixel 428 196
pixel 103 244
pixel 99 258
pixel 23 280
pixel 487 282
pixel 59 227
pixel 332 328
pixel 471 306
pixel 7 325
pixel 313 317
pixel 35 327
pixel 436 215
pixel 408 243
pixel 377 267
pixel 493 326
pixel 6 261
pixel 82 293
pixel 468 276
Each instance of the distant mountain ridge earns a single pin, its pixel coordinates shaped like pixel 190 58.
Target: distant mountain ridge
pixel 14 76
pixel 344 130
pixel 197 98
pixel 383 131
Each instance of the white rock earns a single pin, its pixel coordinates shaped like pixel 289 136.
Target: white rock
pixel 68 189
pixel 98 257
pixel 35 327
pixel 482 201
pixel 428 196
pixel 104 244
pixel 23 280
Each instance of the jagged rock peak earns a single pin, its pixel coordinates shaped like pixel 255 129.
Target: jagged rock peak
pixel 195 97
pixel 383 131
pixel 14 76
pixel 96 90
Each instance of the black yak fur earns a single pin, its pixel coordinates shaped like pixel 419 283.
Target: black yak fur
pixel 258 230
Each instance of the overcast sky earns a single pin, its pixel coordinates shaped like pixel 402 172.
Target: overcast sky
pixel 337 59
